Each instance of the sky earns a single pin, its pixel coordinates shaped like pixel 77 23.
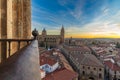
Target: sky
pixel 81 18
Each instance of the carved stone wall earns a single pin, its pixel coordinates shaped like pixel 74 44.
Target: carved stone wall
pixel 3 27
pixel 0 30
pixel 15 22
pixel 27 18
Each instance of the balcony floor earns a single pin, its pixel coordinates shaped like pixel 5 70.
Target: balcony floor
pixel 24 65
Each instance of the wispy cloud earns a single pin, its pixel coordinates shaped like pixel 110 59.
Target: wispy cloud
pixel 63 2
pixel 80 17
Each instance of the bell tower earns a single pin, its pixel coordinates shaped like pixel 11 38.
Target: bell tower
pixel 44 33
pixel 62 34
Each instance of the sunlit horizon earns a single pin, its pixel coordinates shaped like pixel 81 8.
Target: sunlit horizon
pixel 81 18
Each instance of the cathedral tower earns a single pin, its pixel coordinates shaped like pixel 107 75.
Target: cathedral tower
pixel 62 34
pixel 44 33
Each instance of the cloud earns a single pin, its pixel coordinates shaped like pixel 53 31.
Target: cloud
pixel 63 2
pixel 78 18
pixel 77 12
pixel 50 29
pixel 98 26
pixel 52 18
pixel 103 28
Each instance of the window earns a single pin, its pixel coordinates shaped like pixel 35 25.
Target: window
pixel 42 67
pixel 88 67
pixel 94 68
pixel 100 69
pixel 115 72
pixel 46 66
pixel 100 76
pixel 83 67
pixel 83 72
pixel 91 72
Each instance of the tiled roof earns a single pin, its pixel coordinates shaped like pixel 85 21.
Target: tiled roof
pixel 42 48
pixel 101 52
pixel 81 48
pixel 87 59
pixel 65 62
pixel 63 74
pixel 45 58
pixel 112 66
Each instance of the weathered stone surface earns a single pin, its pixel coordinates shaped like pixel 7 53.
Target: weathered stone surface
pixel 24 65
pixel 50 41
pixel 3 26
pixel 15 22
pixel 0 30
pixel 27 18
pixel 9 19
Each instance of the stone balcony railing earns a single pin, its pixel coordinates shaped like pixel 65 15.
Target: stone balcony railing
pixel 23 65
pixel 6 47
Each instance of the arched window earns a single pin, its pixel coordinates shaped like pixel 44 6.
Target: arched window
pixel 83 67
pixel 100 75
pixel 100 69
pixel 83 72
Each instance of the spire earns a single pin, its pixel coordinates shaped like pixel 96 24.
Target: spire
pixel 62 29
pixel 62 34
pixel 62 26
pixel 44 30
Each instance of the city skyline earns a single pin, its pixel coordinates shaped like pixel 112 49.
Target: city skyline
pixel 81 18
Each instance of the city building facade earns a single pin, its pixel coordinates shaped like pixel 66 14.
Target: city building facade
pixel 49 41
pixel 109 55
pixel 84 62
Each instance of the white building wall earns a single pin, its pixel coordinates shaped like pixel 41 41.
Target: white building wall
pixel 55 66
pixel 48 68
pixel 42 74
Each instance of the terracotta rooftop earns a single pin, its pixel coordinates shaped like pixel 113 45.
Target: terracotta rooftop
pixel 59 74
pixel 65 62
pixel 46 59
pixel 63 74
pixel 112 66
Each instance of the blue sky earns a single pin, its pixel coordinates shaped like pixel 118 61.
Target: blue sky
pixel 81 18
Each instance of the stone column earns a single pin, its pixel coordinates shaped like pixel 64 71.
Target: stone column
pixel 20 19
pixel 15 18
pixel 27 19
pixel 9 19
pixel 9 24
pixel 0 30
pixel 0 20
pixel 3 28
pixel 14 24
